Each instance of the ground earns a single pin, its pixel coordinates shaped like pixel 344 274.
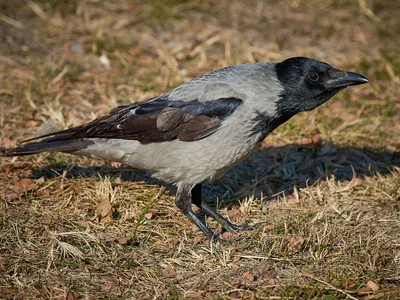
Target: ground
pixel 327 182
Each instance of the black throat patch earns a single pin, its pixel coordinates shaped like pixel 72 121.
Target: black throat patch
pixel 265 124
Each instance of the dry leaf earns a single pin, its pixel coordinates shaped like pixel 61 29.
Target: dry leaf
pixel 349 283
pixel 6 293
pixel 148 216
pixel 31 124
pixel 236 258
pixel 43 193
pixel 125 240
pixel 295 243
pixel 196 240
pixel 108 286
pixel 83 223
pixel 24 184
pixel 364 291
pixel 104 211
pixel 208 296
pixel 7 170
pixel 8 195
pixel 268 227
pixel 316 138
pixel 7 143
pixel 24 169
pixel 273 281
pixel 248 276
pixel 228 235
pixel 110 238
pixel 372 285
pixel 237 284
pixel 192 294
pixel 356 182
pixel 72 295
pixel 171 271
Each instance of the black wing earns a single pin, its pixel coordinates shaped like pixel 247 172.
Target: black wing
pixel 156 120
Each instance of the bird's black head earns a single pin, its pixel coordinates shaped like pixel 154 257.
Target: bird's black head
pixel 308 83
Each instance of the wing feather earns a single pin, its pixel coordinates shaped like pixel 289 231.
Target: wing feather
pixel 199 127
pixel 169 119
pixel 156 120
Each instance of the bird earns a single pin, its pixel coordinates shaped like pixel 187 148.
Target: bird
pixel 202 128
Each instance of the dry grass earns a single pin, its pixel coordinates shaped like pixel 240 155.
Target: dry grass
pixel 73 228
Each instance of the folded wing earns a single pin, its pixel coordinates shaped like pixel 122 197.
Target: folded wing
pixel 157 120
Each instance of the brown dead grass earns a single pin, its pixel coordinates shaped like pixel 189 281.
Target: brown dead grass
pixel 70 230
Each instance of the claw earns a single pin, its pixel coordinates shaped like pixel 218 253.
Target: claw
pixel 226 224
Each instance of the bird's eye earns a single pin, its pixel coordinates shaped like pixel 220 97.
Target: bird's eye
pixel 313 76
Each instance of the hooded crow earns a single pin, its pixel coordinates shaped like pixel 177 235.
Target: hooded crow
pixel 202 128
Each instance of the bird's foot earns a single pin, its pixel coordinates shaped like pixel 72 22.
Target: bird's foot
pixel 218 239
pixel 225 223
pixel 222 238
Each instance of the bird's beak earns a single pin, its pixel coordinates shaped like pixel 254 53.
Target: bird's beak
pixel 341 79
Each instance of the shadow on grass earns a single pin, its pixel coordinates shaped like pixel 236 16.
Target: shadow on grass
pixel 268 171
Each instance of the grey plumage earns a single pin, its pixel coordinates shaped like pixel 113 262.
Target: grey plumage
pixel 204 127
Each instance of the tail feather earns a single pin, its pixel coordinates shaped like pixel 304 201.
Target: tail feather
pixel 47 145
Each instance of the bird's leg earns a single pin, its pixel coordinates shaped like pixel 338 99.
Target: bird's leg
pixel 183 201
pixel 197 200
pixel 226 224
pixel 196 195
